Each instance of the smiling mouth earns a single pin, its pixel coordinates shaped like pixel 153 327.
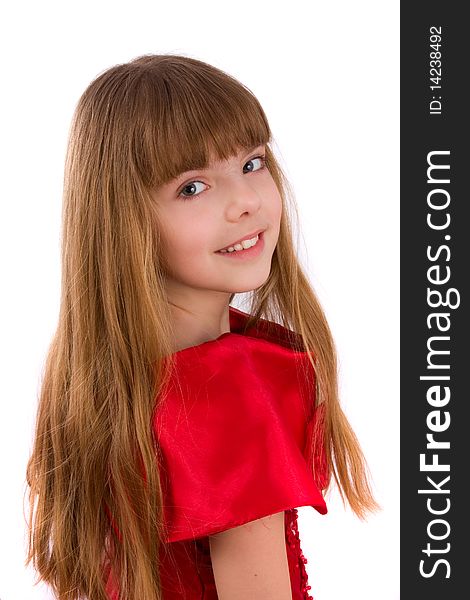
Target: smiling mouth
pixel 245 244
pixel 242 246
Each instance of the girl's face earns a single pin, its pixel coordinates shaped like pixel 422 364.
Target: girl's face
pixel 204 211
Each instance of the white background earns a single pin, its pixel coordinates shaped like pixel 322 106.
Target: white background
pixel 327 77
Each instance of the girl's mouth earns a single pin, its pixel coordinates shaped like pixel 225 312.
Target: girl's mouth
pixel 246 253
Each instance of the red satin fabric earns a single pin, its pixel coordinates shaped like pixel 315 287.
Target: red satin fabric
pixel 234 428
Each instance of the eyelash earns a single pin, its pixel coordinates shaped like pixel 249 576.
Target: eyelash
pixel 262 158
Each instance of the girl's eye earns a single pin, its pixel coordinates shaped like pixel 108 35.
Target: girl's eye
pixel 191 187
pixel 189 190
pixel 261 161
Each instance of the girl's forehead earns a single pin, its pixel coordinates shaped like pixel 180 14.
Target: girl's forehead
pixel 214 160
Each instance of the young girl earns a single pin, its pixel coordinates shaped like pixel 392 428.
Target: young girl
pixel 176 435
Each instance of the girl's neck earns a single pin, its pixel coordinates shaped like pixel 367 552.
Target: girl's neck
pixel 193 327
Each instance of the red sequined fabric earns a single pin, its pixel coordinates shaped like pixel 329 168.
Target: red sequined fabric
pixel 293 541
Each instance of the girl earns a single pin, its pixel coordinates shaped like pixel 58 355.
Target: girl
pixel 176 434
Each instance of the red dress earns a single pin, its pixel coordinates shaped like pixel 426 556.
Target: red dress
pixel 233 428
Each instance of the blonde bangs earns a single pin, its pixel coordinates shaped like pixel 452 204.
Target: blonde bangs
pixel 194 115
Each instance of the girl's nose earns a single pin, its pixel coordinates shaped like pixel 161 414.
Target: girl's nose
pixel 241 196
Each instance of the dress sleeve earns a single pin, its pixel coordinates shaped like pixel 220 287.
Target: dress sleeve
pixel 232 435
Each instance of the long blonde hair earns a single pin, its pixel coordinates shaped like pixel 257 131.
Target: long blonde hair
pixel 137 126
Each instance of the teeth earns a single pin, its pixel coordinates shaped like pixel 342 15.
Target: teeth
pixel 242 245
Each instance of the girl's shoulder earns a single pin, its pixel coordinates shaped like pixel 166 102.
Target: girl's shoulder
pixel 232 430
